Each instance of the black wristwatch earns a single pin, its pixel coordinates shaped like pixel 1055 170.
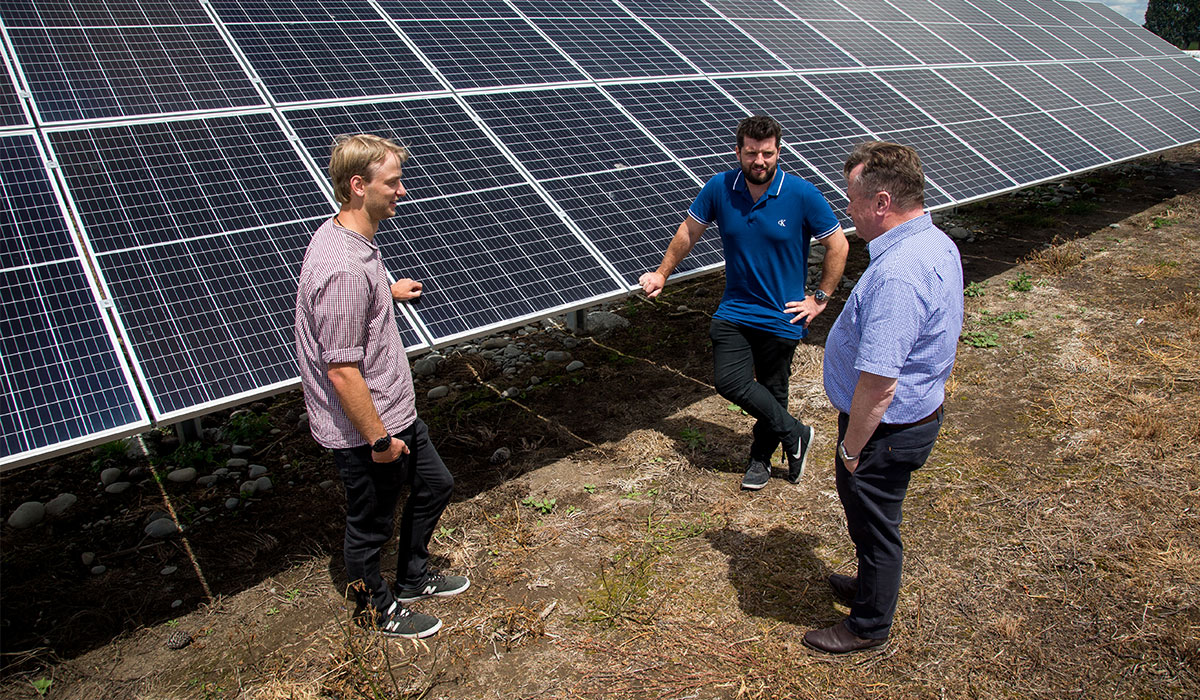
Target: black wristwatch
pixel 820 296
pixel 383 444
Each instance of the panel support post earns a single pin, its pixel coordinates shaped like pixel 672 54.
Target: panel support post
pixel 188 430
pixel 577 320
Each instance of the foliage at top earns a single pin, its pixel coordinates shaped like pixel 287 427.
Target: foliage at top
pixel 245 428
pixel 1176 21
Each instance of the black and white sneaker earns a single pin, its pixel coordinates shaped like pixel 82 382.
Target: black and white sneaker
pixel 399 621
pixel 436 584
pixel 758 473
pixel 798 459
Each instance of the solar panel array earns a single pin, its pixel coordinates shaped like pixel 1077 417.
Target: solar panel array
pixel 163 159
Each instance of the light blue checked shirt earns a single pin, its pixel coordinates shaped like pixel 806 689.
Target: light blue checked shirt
pixel 902 320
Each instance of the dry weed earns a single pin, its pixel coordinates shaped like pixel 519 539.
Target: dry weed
pixel 1058 257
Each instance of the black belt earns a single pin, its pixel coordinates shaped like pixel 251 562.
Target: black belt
pixel 937 413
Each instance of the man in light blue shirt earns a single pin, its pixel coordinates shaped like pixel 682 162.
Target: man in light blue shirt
pixel 766 218
pixel 887 358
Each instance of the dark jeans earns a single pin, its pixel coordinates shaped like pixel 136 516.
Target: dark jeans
pixel 872 497
pixel 752 369
pixel 372 492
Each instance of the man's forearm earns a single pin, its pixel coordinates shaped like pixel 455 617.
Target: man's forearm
pixel 872 396
pixel 355 397
pixel 837 249
pixel 682 242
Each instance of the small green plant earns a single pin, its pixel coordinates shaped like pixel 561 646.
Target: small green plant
pixel 444 532
pixel 1007 317
pixel 571 510
pixel 109 454
pixel 292 594
pixel 190 454
pixel 1160 222
pixel 589 488
pixel 272 611
pixel 693 438
pixel 41 685
pixel 173 623
pixel 1023 283
pixel 975 289
pixel 245 428
pixel 981 339
pixel 542 505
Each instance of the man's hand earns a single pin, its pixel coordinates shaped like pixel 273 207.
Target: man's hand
pixel 805 310
pixel 652 283
pixel 394 452
pixel 406 289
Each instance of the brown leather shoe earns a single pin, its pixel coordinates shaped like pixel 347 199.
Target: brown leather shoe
pixel 838 639
pixel 844 587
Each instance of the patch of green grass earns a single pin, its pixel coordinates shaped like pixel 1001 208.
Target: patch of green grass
pixel 543 505
pixel 693 438
pixel 975 289
pixel 981 339
pixel 245 428
pixel 1006 317
pixel 1023 283
pixel 589 488
pixel 190 454
pixel 41 685
pixel 1160 222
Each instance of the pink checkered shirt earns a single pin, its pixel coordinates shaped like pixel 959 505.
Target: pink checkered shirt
pixel 345 313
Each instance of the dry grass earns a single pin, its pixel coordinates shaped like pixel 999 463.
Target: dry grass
pixel 1057 258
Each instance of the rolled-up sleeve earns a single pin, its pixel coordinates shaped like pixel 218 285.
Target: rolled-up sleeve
pixel 340 315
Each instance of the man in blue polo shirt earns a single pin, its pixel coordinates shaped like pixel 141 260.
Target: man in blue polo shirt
pixel 887 358
pixel 766 218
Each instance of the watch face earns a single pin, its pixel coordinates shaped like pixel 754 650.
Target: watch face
pixel 820 295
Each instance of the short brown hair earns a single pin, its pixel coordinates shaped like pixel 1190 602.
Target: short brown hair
pixel 889 167
pixel 759 128
pixel 359 154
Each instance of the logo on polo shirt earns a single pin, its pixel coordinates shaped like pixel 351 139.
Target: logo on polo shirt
pixel 782 222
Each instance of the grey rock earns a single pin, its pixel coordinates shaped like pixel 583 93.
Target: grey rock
pixel 236 450
pixel 1066 188
pixel 207 481
pixel 27 515
pixel 512 350
pixel 176 603
pixel 263 484
pixel 937 218
pixel 500 456
pixel 535 380
pixel 99 569
pixel 601 322
pixel 257 470
pixel 60 503
pixel 118 487
pixel 302 421
pixel 168 570
pixel 138 473
pixel 110 475
pixel 509 371
pixel 438 392
pixel 247 489
pixel 575 365
pixel 237 463
pixel 157 515
pixel 1114 225
pixel 220 471
pixel 569 342
pixel 182 476
pixel 232 503
pixel 276 431
pixel 327 484
pixel 816 253
pixel 682 308
pixel 495 343
pixel 88 558
pixel 426 366
pixel 163 527
pixel 958 233
pixel 510 392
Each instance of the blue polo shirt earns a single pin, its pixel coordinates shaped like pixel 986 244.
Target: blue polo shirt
pixel 766 245
pixel 902 321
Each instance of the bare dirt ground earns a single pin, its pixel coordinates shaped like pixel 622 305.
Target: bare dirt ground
pixel 1053 539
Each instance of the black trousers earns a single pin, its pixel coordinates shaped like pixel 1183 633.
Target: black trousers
pixel 372 492
pixel 872 498
pixel 752 369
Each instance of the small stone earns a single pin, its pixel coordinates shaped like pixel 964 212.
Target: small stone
pixel 232 503
pixel 27 515
pixel 247 489
pixel 510 392
pixel 176 603
pixel 182 476
pixel 220 471
pixel 558 356
pixel 236 450
pixel 570 342
pixel 118 487
pixel 237 463
pixel 682 308
pixel 178 639
pixel 60 503
pixel 276 431
pixel 257 470
pixel 438 392
pixel 601 322
pixel 575 365
pixel 500 456
pixel 163 527
pixel 512 350
pixel 263 484
pixel 535 380
pixel 110 476
pixel 1114 225
pixel 958 233
pixel 426 366
pixel 138 473
pixel 327 484
pixel 88 558
pixel 168 570
pixel 207 481
pixel 98 569
pixel 495 343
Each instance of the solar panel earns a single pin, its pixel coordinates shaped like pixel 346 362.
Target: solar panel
pixel 985 89
pixel 695 9
pixel 865 44
pixel 71 13
pixel 617 47
pixel 803 112
pixel 1010 42
pixel 938 98
pixel 950 164
pixel 1032 87
pixel 921 42
pixel 1012 153
pixel 1045 41
pixel 796 44
pixel 1052 137
pixel 714 46
pixel 969 42
pixel 63 384
pixel 12 108
pixel 1069 82
pixel 869 100
pixel 1098 132
pixel 1175 127
pixel 691 118
pixel 1130 124
pixel 1106 82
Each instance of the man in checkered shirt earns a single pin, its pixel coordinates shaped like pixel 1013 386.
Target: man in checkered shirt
pixel 359 391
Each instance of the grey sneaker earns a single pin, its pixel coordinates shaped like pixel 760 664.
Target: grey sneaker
pixel 399 621
pixel 797 460
pixel 436 584
pixel 757 475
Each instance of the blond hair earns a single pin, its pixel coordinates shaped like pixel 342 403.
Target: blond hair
pixel 359 154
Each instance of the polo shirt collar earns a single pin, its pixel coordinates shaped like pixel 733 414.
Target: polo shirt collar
pixel 773 190
pixel 898 233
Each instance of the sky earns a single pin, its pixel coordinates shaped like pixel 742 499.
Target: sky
pixel 1135 10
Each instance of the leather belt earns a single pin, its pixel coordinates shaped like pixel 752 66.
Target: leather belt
pixel 927 419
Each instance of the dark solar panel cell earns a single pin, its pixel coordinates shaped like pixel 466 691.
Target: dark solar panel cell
pixel 1069 82
pixel 690 118
pixel 1032 87
pixel 489 258
pixel 556 133
pixel 1163 77
pixel 1047 42
pixel 575 8
pixel 1184 108
pixel 1174 125
pixel 714 46
pixel 931 93
pixel 1109 84
pixel 1032 13
pixel 1077 41
pixel 1000 14
pixel 704 167
pixel 32 228
pixel 751 9
pixel 1134 127
pixel 447 9
pixel 920 42
pixel 964 11
pixel 994 95
pixel 876 10
pixel 448 152
pixel 614 48
pixel 294 10
pixel 154 183
pixel 1145 43
pixel 1067 148
pixel 1185 69
pixel 98 72
pixel 924 11
pixel 796 44
pixel 1063 12
pixel 869 100
pixel 1010 42
pixel 631 214
pixel 1129 74
pixel 320 61
pixel 804 114
pixel 695 9
pixel 1098 132
pixel 865 44
pixel 119 13
pixel 968 41
pixel 1007 150
pixel 1090 13
pixel 490 53
pixel 950 164
pixel 12 113
pixel 1106 41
